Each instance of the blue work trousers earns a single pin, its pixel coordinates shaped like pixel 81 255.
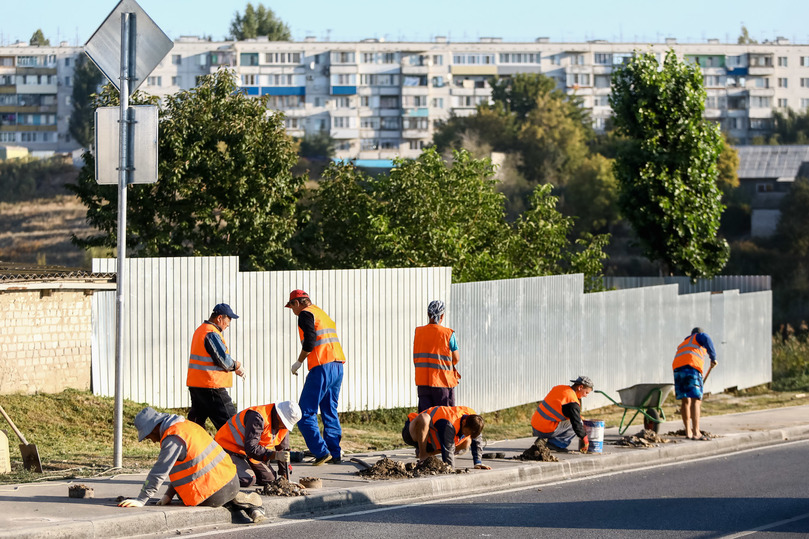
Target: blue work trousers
pixel 322 388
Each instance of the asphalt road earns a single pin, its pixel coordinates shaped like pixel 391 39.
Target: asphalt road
pixel 762 492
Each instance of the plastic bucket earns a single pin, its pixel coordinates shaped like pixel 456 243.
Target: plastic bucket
pixel 595 432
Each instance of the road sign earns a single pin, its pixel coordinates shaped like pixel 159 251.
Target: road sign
pixel 143 167
pixel 151 45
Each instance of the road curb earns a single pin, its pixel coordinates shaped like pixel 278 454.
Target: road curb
pixel 154 519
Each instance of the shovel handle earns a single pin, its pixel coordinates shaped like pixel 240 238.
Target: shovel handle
pixel 13 426
pixel 707 374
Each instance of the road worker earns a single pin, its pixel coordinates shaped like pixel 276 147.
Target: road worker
pixel 200 472
pixel 256 436
pixel 210 370
pixel 557 417
pixel 435 356
pixel 449 430
pixel 688 365
pixel 325 358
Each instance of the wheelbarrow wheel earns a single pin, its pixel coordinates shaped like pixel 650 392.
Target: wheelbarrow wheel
pixel 648 424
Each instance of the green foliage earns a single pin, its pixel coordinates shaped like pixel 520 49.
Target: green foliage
pixel 86 80
pixel 27 178
pixel 224 183
pixel 388 221
pixel 790 358
pixel 592 195
pixel 790 127
pixel 319 145
pixel 38 39
pixel 744 37
pixel 259 21
pixel 668 171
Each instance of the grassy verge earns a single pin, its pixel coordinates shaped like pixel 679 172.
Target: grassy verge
pixel 73 429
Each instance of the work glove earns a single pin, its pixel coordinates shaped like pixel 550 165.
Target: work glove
pixel 281 456
pixel 165 500
pixel 584 444
pixel 295 366
pixel 131 503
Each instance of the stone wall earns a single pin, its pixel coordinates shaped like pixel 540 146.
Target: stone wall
pixel 45 340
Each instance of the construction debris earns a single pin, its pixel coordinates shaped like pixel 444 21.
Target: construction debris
pixel 644 438
pixel 310 482
pixel 283 487
pixel 681 432
pixel 393 469
pixel 538 451
pixel 80 491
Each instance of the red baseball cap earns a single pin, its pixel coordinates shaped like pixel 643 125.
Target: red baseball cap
pixel 296 294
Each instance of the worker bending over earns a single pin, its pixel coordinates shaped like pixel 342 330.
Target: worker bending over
pixel 558 416
pixel 449 430
pixel 688 365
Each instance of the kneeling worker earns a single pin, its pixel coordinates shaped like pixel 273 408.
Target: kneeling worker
pixel 257 435
pixel 558 416
pixel 200 471
pixel 449 430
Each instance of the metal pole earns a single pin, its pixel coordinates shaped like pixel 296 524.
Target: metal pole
pixel 127 44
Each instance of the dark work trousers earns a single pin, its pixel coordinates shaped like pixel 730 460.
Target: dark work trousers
pixel 213 402
pixel 223 495
pixel 252 472
pixel 435 396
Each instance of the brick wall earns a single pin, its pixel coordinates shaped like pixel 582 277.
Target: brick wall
pixel 45 338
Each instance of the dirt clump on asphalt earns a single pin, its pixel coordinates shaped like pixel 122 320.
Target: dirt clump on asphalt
pixel 282 487
pixel 538 451
pixel 681 432
pixel 394 469
pixel 644 438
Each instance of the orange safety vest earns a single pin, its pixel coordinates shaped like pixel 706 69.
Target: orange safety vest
pixel 433 358
pixel 453 414
pixel 549 414
pixel 690 353
pixel 206 467
pixel 231 435
pixel 327 345
pixel 202 370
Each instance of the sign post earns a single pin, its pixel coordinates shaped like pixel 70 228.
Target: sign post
pixel 136 30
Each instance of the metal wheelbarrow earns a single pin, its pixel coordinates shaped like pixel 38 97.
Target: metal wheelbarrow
pixel 645 399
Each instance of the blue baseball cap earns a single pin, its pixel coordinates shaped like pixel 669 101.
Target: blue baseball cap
pixel 224 308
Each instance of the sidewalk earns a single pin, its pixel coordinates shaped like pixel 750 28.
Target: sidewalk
pixel 45 510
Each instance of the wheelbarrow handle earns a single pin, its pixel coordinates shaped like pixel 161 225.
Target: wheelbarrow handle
pixel 611 399
pixel 13 426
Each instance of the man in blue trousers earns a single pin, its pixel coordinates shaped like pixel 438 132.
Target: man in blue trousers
pixel 321 348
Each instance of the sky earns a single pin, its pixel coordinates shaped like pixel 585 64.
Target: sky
pixel 690 21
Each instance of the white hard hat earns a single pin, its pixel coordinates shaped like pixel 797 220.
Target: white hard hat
pixel 289 412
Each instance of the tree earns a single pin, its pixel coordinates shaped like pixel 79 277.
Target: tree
pixel 667 172
pixel 790 127
pixel 259 21
pixel 744 37
pixel 86 80
pixel 592 195
pixel 38 39
pixel 224 183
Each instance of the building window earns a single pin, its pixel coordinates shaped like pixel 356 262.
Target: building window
pixel 602 81
pixel 417 144
pixel 176 59
pixel 67 81
pixel 369 123
pixel 577 59
pixel 519 58
pixel 344 146
pixel 67 62
pixel 601 101
pixel 782 61
pixel 782 103
pixel 367 58
pixel 291 123
pixel 782 82
pixel 762 82
pixel 804 61
pixel 603 59
pixel 438 103
pixel 760 123
pixel 365 101
pixel 175 81
pixel 764 188
pixel 389 102
pixel 473 59
pixel 389 144
pixel 388 57
pixel 248 59
pixel 415 100
pixel 804 103
pixel 369 144
pixel 389 123
pixel 247 80
pixel 6 136
pixel 438 59
pixel 804 82
pixel 155 81
pixel 342 57
pixel 342 103
pixel 712 81
pixel 760 102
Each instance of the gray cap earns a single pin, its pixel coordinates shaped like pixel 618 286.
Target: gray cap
pixel 435 309
pixel 584 381
pixel 146 420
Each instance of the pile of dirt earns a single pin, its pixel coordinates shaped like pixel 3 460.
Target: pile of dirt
pixel 538 451
pixel 393 469
pixel 681 432
pixel 645 438
pixel 282 487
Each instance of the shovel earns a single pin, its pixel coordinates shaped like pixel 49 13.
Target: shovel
pixel 30 454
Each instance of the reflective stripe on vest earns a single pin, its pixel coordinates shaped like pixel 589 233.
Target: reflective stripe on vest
pixel 206 467
pixel 690 353
pixel 231 435
pixel 549 414
pixel 453 414
pixel 202 370
pixel 327 345
pixel 433 358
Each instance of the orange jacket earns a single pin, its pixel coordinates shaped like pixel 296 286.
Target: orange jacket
pixel 327 345
pixel 690 353
pixel 231 435
pixel 206 467
pixel 548 414
pixel 433 358
pixel 202 370
pixel 453 414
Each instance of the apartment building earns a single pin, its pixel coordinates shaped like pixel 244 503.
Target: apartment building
pixel 382 99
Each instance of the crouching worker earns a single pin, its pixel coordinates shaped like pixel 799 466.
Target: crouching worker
pixel 558 416
pixel 199 470
pixel 449 430
pixel 258 435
